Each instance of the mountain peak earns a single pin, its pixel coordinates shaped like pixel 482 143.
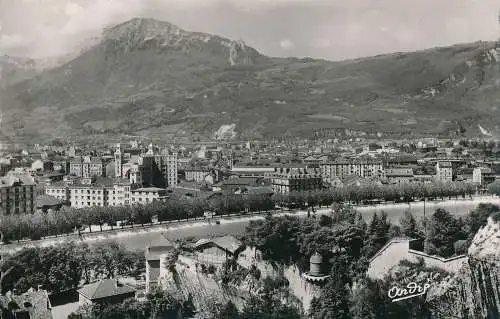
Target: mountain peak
pixel 143 26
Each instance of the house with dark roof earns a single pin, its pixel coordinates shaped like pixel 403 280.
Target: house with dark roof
pixel 107 291
pixel 157 248
pixel 46 202
pixel 217 250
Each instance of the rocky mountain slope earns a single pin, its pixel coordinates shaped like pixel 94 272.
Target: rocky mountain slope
pixel 474 292
pixel 147 77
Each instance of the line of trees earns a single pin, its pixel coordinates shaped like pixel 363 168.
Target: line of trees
pixel 67 266
pixel 346 242
pixel 68 220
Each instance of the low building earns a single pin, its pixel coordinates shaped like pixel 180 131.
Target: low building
pixel 399 175
pixel 217 250
pixel 107 291
pixel 46 202
pixel 147 195
pixel 155 251
pixel 251 171
pixel 196 174
pixel 235 183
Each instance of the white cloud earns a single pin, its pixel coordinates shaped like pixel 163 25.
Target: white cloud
pixel 322 43
pixel 286 44
pixel 10 41
pixel 343 28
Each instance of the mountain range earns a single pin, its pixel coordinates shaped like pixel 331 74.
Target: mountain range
pixel 151 78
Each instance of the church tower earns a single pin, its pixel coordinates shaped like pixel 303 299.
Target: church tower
pixel 118 161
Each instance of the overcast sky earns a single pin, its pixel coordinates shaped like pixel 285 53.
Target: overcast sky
pixel 327 29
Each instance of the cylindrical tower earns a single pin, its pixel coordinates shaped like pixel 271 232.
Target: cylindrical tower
pixel 315 265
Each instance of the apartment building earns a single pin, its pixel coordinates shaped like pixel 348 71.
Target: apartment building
pixel 147 195
pixel 86 167
pixel 339 169
pixel 167 164
pixel 102 192
pixel 149 169
pixel 58 190
pixel 287 180
pixel 197 174
pixel 444 171
pixel 483 176
pixel 399 175
pixel 17 194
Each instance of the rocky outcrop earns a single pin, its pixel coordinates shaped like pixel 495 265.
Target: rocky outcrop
pixel 474 292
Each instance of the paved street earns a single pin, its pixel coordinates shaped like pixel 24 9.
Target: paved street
pixel 137 239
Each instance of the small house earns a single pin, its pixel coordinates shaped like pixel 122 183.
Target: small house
pixel 108 291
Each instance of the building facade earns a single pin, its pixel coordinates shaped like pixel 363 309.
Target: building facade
pixel 483 176
pixel 196 174
pixel 399 175
pixel 87 167
pixel 147 195
pixel 167 164
pixel 17 194
pixel 287 180
pixel 115 192
pixel 444 171
pixel 332 171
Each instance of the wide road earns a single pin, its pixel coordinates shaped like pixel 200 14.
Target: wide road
pixel 237 226
pixel 138 239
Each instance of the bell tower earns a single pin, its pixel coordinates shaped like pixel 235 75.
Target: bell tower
pixel 118 161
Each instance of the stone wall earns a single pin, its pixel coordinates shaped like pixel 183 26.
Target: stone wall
pixel 398 249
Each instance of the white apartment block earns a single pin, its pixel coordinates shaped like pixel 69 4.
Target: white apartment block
pixel 331 171
pixel 58 190
pixel 116 193
pixel 86 196
pixel 148 195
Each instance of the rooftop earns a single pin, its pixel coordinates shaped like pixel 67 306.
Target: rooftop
pixel 11 180
pixel 228 243
pixel 47 200
pixel 105 288
pixel 149 189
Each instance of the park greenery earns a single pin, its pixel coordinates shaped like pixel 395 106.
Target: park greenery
pixel 158 304
pixel 67 266
pixel 69 220
pixel 347 243
pixel 343 238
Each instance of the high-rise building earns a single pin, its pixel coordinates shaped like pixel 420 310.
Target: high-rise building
pixel 167 164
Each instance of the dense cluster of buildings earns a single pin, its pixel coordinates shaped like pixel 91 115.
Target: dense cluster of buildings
pixel 134 173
